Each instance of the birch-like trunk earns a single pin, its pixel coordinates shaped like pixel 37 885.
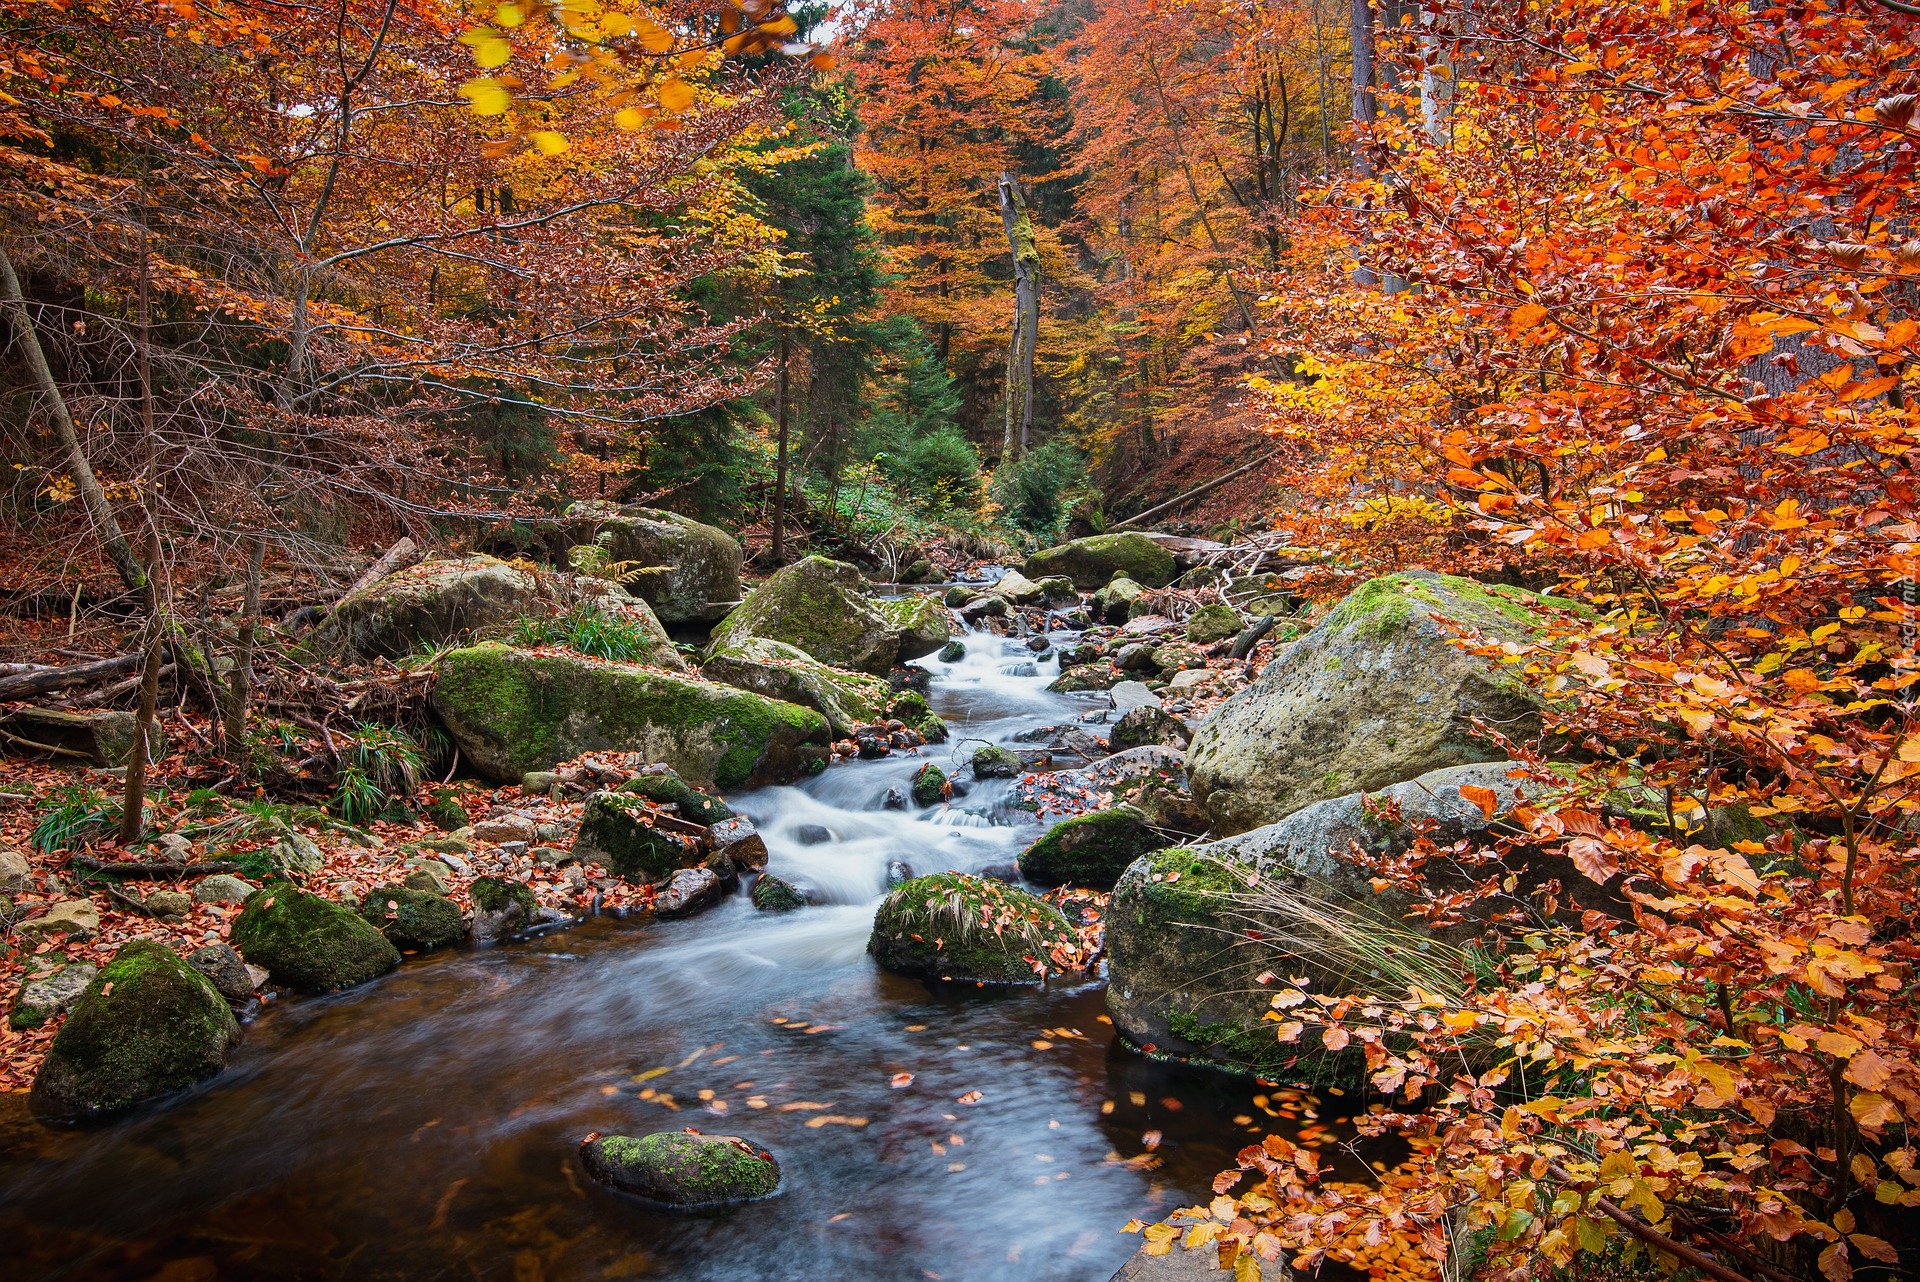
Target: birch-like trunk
pixel 1026 318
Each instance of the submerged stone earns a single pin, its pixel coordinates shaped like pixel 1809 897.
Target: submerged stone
pixel 683 1168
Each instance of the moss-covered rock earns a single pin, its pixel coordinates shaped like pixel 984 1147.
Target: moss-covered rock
pixel 1114 602
pixel 431 603
pixel 923 624
pixel 1374 695
pixel 1147 724
pixel 103 736
pixel 773 895
pixel 787 673
pixel 1089 850
pixel 682 1168
pixel 910 707
pixel 953 652
pixel 991 761
pixel 688 570
pixel 147 1024
pixel 820 606
pixel 952 926
pixel 669 789
pixel 1092 562
pixel 446 813
pixel 44 994
pixel 958 595
pixel 309 943
pixel 1212 623
pixel 930 786
pixel 615 834
pixel 511 711
pixel 413 918
pixel 1094 676
pixel 501 907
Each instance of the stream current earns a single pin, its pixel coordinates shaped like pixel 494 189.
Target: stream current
pixel 424 1126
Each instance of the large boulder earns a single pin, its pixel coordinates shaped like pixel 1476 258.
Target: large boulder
pixel 1374 695
pixel 785 672
pixel 952 926
pixel 923 624
pixel 432 602
pixel 687 570
pixel 102 735
pixel 683 1168
pixel 309 943
pixel 1091 849
pixel 147 1024
pixel 1092 562
pixel 511 711
pixel 1190 930
pixel 616 832
pixel 820 606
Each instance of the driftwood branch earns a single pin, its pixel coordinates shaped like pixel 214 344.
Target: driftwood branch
pixel 108 868
pixel 25 685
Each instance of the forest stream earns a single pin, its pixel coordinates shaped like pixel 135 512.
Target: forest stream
pixel 425 1126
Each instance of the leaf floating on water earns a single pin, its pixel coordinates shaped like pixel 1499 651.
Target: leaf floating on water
pixel 803 1106
pixel 971 1097
pixel 1041 1044
pixel 1151 1140
pixel 901 1081
pixel 834 1119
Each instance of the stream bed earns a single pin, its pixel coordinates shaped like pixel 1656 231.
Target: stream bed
pixel 424 1126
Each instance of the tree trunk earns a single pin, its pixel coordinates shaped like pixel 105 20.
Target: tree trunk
pixel 240 680
pixel 1026 318
pixel 780 399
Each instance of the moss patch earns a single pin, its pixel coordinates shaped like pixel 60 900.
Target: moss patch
pixel 953 926
pixel 820 606
pixel 411 918
pixel 772 895
pixel 1089 850
pixel 497 894
pixel 683 1169
pixel 671 790
pixel 613 833
pixel 309 943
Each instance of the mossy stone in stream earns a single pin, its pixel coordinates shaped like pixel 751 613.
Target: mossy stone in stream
pixel 953 651
pixel 822 607
pixel 1090 850
pixel 147 1024
pixel 990 761
pixel 411 918
pixel 683 1168
pixel 772 895
pixel 929 785
pixel 497 894
pixel 669 789
pixel 309 943
pixel 924 624
pixel 953 926
pixel 911 708
pixel 614 833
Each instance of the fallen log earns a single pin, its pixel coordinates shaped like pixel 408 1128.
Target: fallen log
pixel 135 868
pixel 25 685
pixel 1195 492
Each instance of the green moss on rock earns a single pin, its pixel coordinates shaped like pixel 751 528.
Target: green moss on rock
pixel 773 895
pixel 614 834
pixel 497 894
pixel 669 789
pixel 1212 623
pixel 1089 850
pixel 922 622
pixel 991 761
pixel 511 711
pixel 446 813
pixel 309 943
pixel 929 785
pixel 1092 562
pixel 413 918
pixel 147 1024
pixel 786 672
pixel 953 926
pixel 683 1169
pixel 820 606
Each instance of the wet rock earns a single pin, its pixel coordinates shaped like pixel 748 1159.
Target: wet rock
pixel 42 997
pixel 616 832
pixel 76 918
pixel 689 891
pixel 933 927
pixel 501 828
pixel 911 709
pixel 501 908
pixel 894 800
pixel 986 607
pixel 898 871
pixel 666 788
pixel 929 785
pixel 991 761
pixel 738 843
pixel 1147 724
pixel 1008 873
pixel 909 676
pixel 309 943
pixel 771 894
pixel 169 903
pixel 683 1168
pixel 147 1024
pixel 822 607
pixel 1092 562
pixel 953 652
pixel 812 835
pixel 511 711
pixel 873 742
pixel 1091 849
pixel 223 888
pixel 225 971
pixel 413 919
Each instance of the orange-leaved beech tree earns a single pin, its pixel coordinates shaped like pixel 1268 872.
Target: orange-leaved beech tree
pixel 1633 315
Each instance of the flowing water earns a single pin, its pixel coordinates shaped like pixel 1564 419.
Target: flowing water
pixel 424 1126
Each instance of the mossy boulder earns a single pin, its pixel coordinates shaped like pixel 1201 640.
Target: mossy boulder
pixel 991 761
pixel 910 707
pixel 147 1024
pixel 309 943
pixel 820 606
pixel 511 711
pixel 1212 623
pixel 1114 603
pixel 1092 562
pixel 104 736
pixel 669 789
pixel 785 672
pixel 930 786
pixel 501 907
pixel 953 926
pixel 923 624
pixel 432 602
pixel 1374 695
pixel 688 570
pixel 615 834
pixel 1147 724
pixel 446 813
pixel 772 895
pixel 411 918
pixel 44 994
pixel 1090 850
pixel 683 1168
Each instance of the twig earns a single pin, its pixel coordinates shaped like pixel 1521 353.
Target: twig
pixel 1654 1237
pixel 130 901
pixel 138 869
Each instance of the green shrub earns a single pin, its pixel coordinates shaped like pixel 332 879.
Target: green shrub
pixel 589 631
pixel 78 814
pixel 1035 492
